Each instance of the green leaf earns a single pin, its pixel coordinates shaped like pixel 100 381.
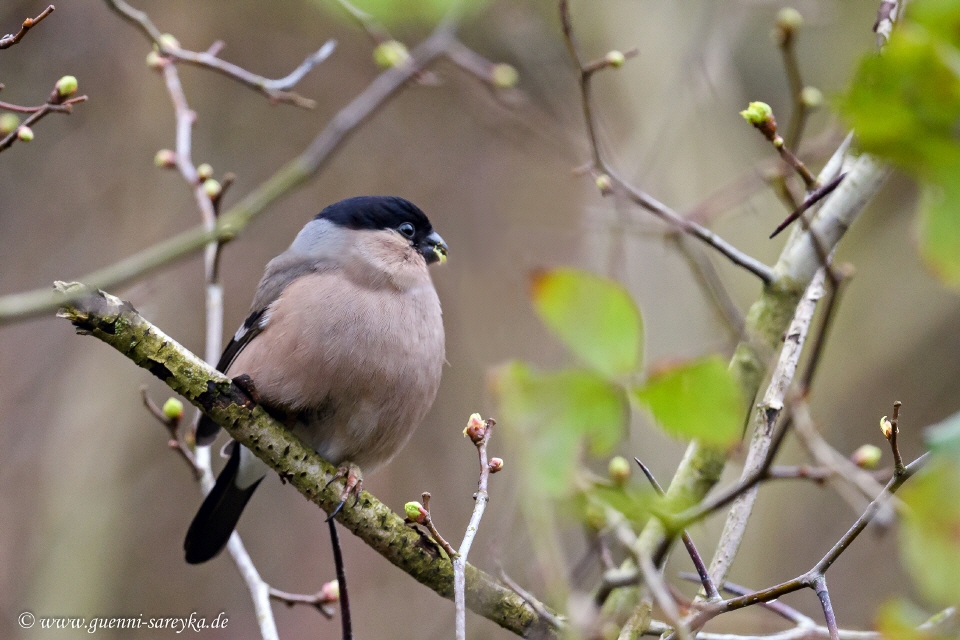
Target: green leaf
pixel 554 413
pixel 697 400
pixel 930 536
pixel 905 106
pixel 899 619
pixel 940 229
pixel 594 317
pixel 407 12
pixel 944 437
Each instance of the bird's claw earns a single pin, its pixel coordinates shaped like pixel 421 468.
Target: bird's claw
pixel 353 484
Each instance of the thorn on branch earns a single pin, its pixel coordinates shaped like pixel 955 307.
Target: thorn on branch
pixel 811 200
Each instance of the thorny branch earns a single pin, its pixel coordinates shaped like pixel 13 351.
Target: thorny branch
pixel 13 38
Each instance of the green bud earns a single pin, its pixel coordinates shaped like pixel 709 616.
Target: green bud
pixel 811 97
pixel 789 19
pixel 615 58
pixel 604 184
pixel 167 41
pixel 66 86
pixel 504 75
pixel 212 188
pixel 204 171
pixel 173 409
pixel 9 122
pixel 165 159
pixel 757 113
pixel 391 53
pixel 155 60
pixel 415 512
pixel 619 470
pixel 867 456
pixel 25 134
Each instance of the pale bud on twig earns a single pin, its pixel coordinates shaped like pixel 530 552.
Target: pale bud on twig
pixel 204 171
pixel 604 184
pixel 495 465
pixel 867 456
pixel 25 134
pixel 619 470
pixel 504 75
pixel 615 58
pixel 212 188
pixel 391 53
pixel 886 427
pixel 167 41
pixel 330 591
pixel 476 429
pixel 165 159
pixel 155 61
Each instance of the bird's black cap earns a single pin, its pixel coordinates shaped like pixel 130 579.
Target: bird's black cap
pixel 376 212
pixel 387 212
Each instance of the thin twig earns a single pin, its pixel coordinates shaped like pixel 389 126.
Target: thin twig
pixel 296 172
pixel 892 437
pixel 815 575
pixel 41 112
pixel 11 39
pixel 480 437
pixel 321 600
pixel 346 623
pixel 698 563
pixel 172 426
pixel 785 611
pixel 554 620
pixel 635 195
pixel 432 527
pixel 812 199
pixel 820 587
pixel 277 90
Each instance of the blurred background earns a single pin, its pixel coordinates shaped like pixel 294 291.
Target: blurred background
pixel 93 505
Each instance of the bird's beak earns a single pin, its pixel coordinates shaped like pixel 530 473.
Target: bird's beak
pixel 434 249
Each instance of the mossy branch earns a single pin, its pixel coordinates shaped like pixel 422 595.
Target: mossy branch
pixel 117 323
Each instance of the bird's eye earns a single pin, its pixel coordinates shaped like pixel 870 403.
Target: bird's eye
pixel 406 229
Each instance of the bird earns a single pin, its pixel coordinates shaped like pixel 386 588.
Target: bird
pixel 344 345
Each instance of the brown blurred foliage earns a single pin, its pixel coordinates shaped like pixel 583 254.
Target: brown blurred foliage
pixel 93 507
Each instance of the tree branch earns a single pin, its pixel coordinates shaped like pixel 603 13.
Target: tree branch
pixel 11 39
pixel 118 324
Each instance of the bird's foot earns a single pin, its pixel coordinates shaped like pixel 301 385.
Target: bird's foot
pixel 353 484
pixel 245 383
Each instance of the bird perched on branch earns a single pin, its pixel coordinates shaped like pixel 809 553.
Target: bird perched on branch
pixel 344 345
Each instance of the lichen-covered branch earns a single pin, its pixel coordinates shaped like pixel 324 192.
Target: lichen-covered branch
pixel 118 324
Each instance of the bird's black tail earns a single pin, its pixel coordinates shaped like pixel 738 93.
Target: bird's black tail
pixel 218 515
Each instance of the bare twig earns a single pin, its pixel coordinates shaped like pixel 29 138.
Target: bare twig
pixel 785 611
pixel 815 577
pixel 479 432
pixel 891 431
pixel 277 90
pixel 812 199
pixel 554 620
pixel 427 521
pixel 346 622
pixel 609 181
pixel 230 223
pixel 321 600
pixel 37 114
pixel 698 563
pixel 11 39
pixel 172 425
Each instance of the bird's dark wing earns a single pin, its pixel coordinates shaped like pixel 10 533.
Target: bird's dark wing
pixel 207 429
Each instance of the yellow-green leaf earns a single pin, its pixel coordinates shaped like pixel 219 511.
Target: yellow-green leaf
pixel 594 317
pixel 696 400
pixel 930 536
pixel 553 413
